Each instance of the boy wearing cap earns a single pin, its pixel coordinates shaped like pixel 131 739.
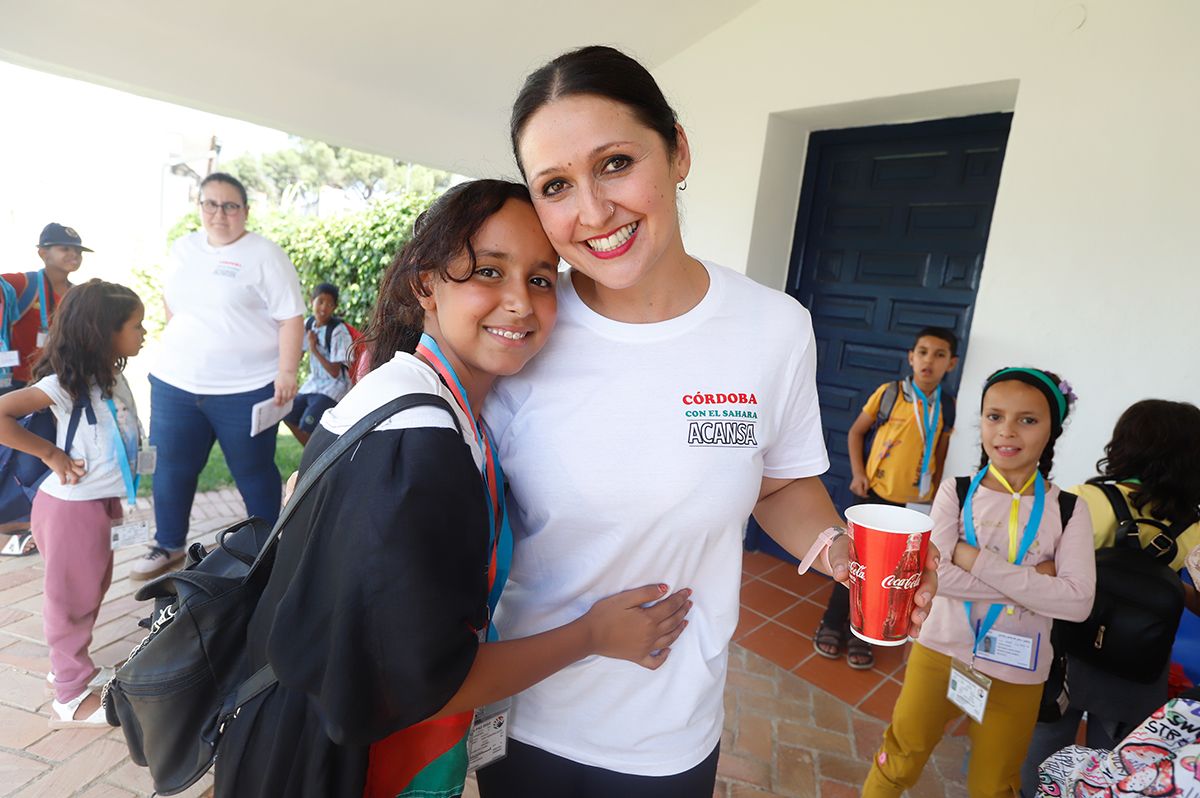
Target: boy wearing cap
pixel 36 296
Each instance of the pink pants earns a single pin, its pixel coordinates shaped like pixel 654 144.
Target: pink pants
pixel 74 538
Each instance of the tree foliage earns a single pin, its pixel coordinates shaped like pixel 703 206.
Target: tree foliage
pixel 293 177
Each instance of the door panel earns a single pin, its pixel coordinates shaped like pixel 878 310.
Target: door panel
pixel 890 238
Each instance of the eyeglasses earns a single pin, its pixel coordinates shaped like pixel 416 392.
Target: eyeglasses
pixel 229 208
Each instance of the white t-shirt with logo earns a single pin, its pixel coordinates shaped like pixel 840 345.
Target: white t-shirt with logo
pixel 226 305
pixel 94 444
pixel 635 454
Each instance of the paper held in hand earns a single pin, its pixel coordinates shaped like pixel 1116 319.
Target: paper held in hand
pixel 267 414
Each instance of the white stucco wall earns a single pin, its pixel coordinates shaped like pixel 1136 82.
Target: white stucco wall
pixel 1091 264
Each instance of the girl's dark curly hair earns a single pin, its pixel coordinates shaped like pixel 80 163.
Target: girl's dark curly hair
pixel 1156 442
pixel 79 348
pixel 1046 461
pixel 440 234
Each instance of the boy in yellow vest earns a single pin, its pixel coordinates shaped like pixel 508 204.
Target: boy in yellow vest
pixel 912 420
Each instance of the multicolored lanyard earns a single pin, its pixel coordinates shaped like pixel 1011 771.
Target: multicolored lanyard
pixel 124 457
pixel 1016 552
pixel 42 301
pixel 501 537
pixel 927 421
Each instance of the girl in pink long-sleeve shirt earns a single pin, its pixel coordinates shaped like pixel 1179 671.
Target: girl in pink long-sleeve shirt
pixel 1009 567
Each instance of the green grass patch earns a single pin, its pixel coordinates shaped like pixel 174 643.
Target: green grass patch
pixel 216 472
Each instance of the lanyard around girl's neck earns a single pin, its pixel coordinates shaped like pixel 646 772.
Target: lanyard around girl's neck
pixel 927 420
pixel 42 300
pixel 125 457
pixel 493 476
pixel 1016 552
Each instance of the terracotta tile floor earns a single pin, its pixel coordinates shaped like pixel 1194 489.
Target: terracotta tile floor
pixel 796 725
pixel 780 613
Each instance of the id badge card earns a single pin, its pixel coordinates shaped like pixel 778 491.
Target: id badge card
pixel 487 742
pixel 41 338
pixel 1017 651
pixel 147 459
pixel 9 358
pixel 130 534
pixel 925 483
pixel 968 690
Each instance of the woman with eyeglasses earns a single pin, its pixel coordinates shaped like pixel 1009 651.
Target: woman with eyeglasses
pixel 234 328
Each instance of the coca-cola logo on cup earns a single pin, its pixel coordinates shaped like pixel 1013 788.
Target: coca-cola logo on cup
pixel 857 570
pixel 890 582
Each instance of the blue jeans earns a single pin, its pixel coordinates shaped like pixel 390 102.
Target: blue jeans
pixel 184 426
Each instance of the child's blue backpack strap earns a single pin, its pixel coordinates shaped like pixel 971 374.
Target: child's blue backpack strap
pixel 28 294
pixel 9 314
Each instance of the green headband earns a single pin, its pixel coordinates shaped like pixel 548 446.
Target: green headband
pixel 1041 376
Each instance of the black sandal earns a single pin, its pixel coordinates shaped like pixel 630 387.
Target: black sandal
pixel 832 638
pixel 859 654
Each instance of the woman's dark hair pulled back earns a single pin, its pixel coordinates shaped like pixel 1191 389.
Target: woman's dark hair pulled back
pixel 1156 442
pixel 601 71
pixel 79 348
pixel 440 234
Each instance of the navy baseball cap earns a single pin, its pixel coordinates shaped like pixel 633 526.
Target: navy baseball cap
pixel 55 233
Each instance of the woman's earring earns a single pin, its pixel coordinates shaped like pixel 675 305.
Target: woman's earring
pixel 683 184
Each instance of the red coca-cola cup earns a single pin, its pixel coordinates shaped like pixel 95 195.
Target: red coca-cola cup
pixel 887 556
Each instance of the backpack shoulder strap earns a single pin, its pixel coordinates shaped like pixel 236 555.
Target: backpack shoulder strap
pixel 949 410
pixel 887 403
pixel 334 321
pixel 961 486
pixel 28 293
pixel 81 408
pixel 1066 506
pixel 1125 523
pixel 344 443
pixel 309 322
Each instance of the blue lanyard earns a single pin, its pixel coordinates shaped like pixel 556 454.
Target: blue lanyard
pixel 42 300
pixel 121 448
pixel 930 415
pixel 500 538
pixel 1031 530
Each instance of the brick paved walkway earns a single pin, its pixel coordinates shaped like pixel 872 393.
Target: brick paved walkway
pixel 784 735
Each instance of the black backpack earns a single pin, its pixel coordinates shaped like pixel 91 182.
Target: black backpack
pixel 1139 600
pixel 188 678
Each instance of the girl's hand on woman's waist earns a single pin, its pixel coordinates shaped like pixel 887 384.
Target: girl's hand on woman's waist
pixel 627 626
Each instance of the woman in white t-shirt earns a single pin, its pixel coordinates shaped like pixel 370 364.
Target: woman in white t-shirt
pixel 233 339
pixel 676 398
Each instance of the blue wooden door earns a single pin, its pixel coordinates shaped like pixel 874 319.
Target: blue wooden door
pixel 890 238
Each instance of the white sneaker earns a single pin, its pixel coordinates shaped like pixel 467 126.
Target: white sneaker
pixel 157 561
pixel 63 715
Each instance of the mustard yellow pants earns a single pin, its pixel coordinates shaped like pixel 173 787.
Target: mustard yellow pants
pixel 919 721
